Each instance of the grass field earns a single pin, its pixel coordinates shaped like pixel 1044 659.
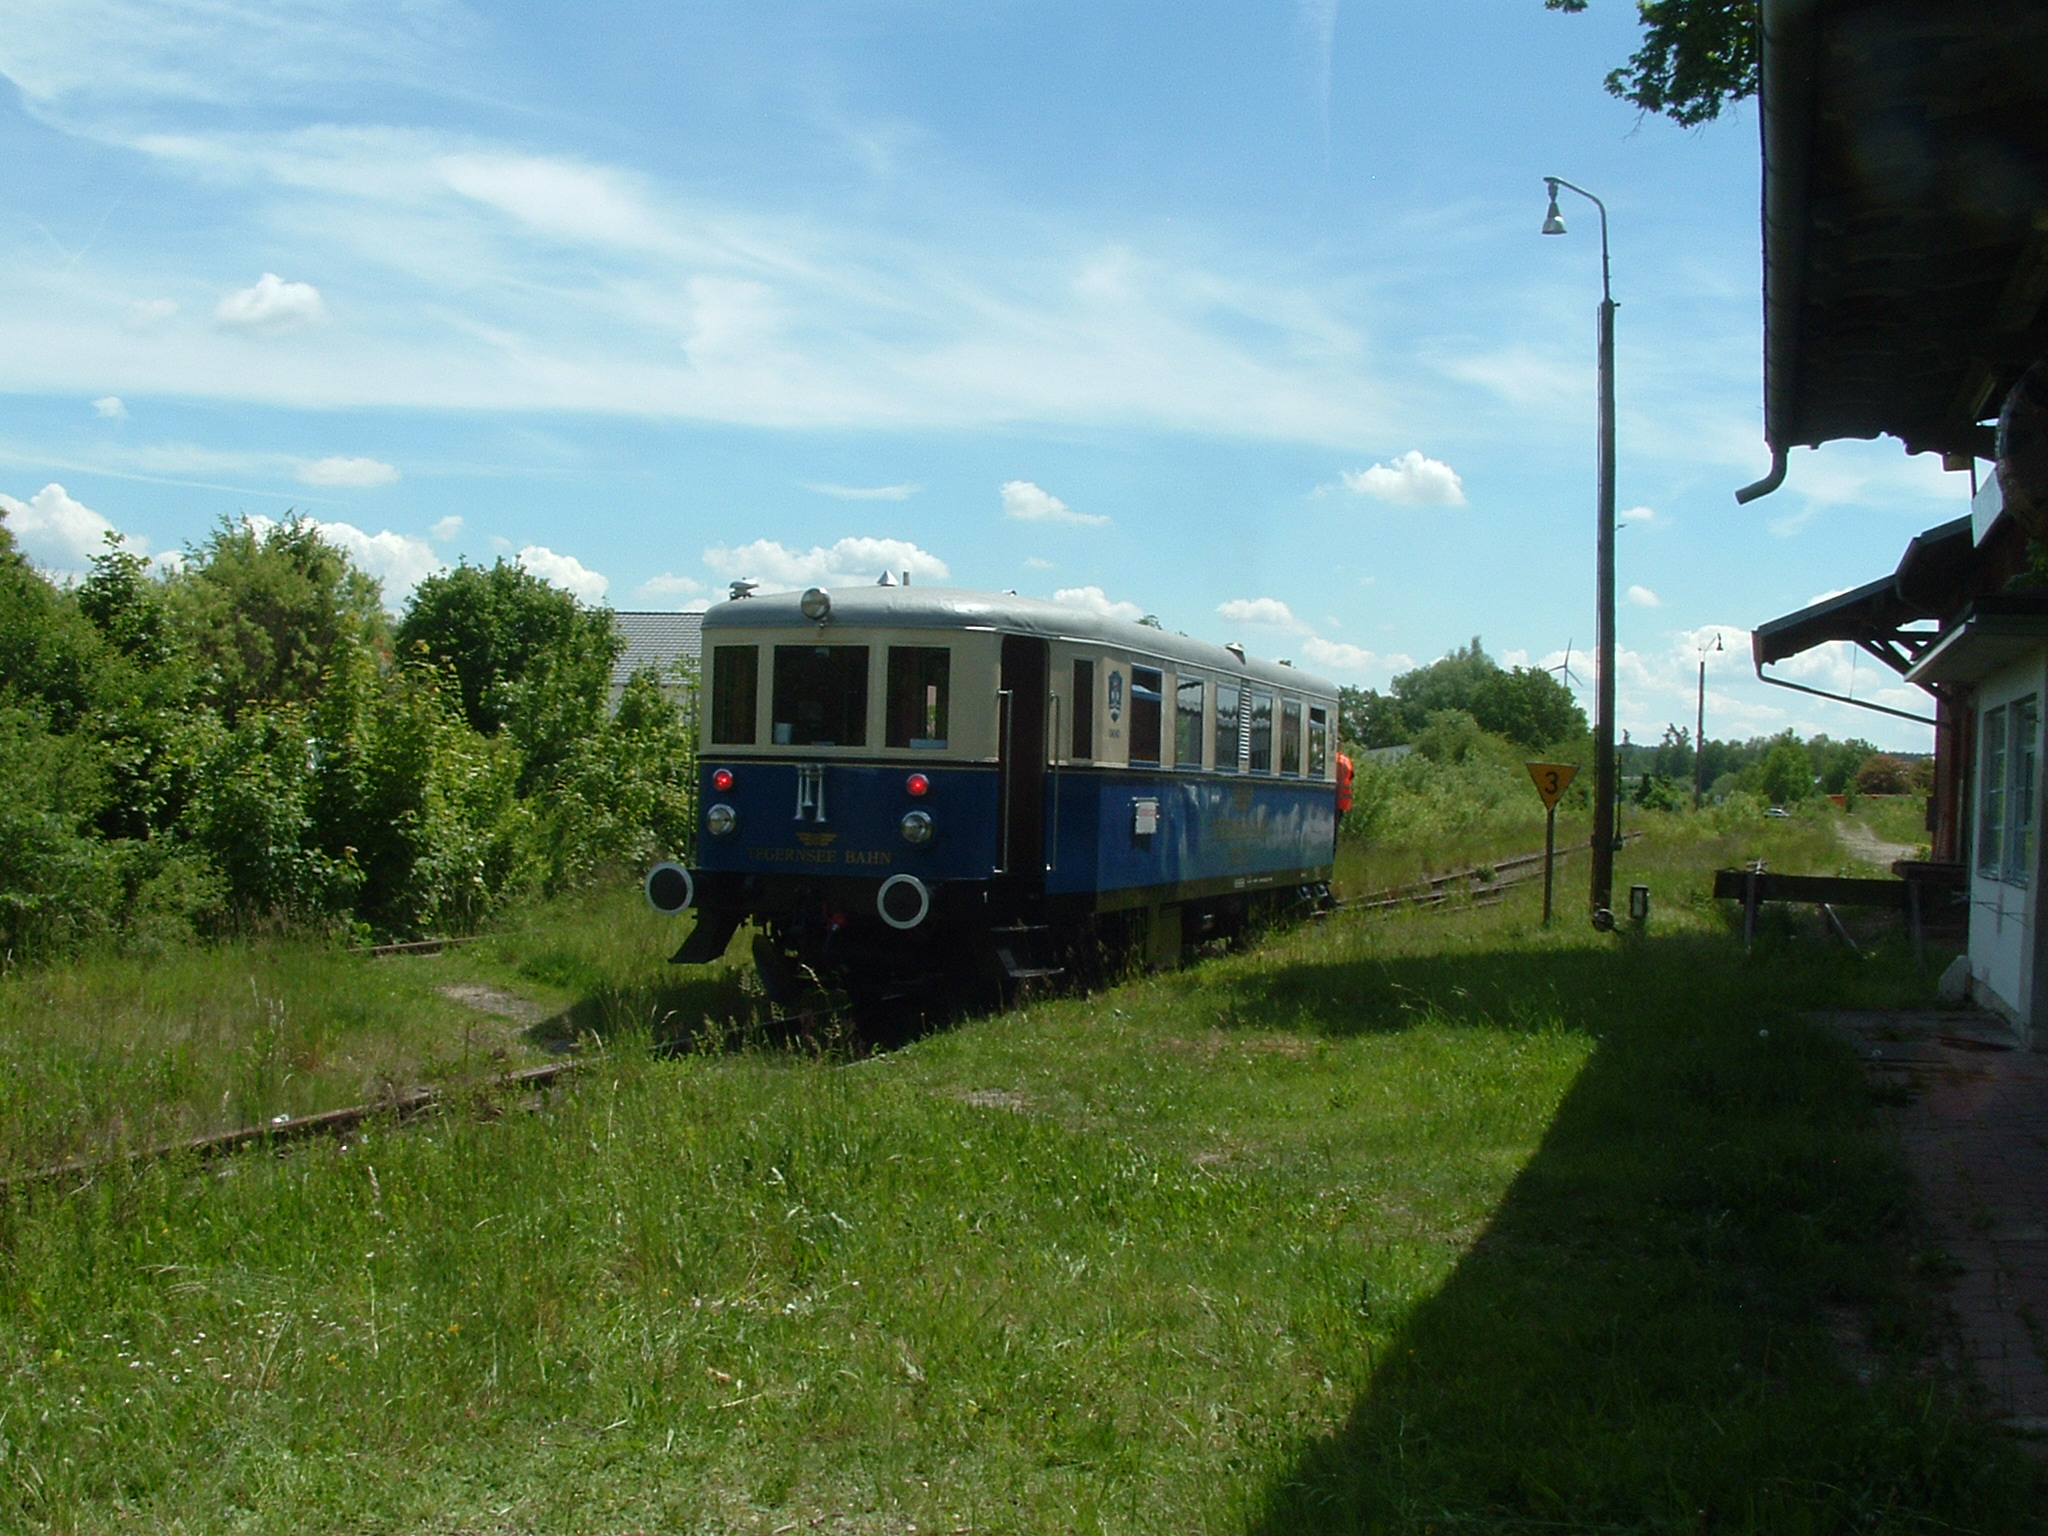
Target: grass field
pixel 1433 1223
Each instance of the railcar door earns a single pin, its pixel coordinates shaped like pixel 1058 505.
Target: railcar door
pixel 1021 852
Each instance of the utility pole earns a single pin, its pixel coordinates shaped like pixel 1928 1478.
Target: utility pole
pixel 1699 729
pixel 1604 786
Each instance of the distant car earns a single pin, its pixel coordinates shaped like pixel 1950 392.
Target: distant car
pixel 1778 813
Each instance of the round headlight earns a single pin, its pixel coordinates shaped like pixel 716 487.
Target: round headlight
pixel 916 827
pixel 722 820
pixel 816 605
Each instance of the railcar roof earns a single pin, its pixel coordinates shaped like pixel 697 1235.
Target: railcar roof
pixel 959 608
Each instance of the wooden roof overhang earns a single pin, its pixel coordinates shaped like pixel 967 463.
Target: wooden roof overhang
pixel 1996 630
pixel 1942 572
pixel 1905 148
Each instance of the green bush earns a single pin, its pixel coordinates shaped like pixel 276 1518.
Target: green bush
pixel 235 745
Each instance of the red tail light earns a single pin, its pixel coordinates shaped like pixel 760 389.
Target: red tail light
pixel 918 785
pixel 721 780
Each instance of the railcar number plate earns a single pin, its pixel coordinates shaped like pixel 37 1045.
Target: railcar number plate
pixel 1144 817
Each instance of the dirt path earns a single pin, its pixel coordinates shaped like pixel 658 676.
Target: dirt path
pixel 1866 845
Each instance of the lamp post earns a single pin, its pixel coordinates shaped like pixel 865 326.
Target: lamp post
pixel 1699 728
pixel 1603 579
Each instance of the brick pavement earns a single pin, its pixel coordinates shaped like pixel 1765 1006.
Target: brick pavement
pixel 1975 1132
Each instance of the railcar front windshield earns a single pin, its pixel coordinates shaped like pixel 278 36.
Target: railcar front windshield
pixel 821 696
pixel 735 683
pixel 920 677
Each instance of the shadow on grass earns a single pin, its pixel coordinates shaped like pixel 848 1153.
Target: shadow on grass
pixel 1649 1336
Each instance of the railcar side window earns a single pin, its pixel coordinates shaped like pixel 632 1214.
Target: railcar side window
pixel 1290 736
pixel 1147 706
pixel 2024 756
pixel 1318 741
pixel 1991 810
pixel 1261 753
pixel 735 691
pixel 1226 727
pixel 821 696
pixel 1187 722
pixel 918 678
pixel 1084 709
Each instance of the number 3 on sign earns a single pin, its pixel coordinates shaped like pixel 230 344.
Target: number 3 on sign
pixel 1552 780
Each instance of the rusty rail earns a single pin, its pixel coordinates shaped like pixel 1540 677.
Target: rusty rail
pixel 1438 889
pixel 284 1131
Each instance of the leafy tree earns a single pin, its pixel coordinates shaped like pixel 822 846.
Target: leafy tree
pixel 267 614
pixel 127 606
pixel 1697 58
pixel 1834 763
pixel 525 655
pixel 494 627
pixel 49 653
pixel 1785 776
pixel 1370 719
pixel 1446 683
pixel 1528 706
pixel 1881 774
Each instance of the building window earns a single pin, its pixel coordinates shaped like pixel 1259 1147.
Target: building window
pixel 1259 759
pixel 1227 724
pixel 1290 736
pixel 918 677
pixel 1147 709
pixel 1187 722
pixel 2023 759
pixel 1084 709
pixel 821 696
pixel 1318 741
pixel 735 691
pixel 1991 810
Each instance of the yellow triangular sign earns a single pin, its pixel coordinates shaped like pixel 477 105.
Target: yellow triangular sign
pixel 1552 780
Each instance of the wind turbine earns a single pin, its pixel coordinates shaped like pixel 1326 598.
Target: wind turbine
pixel 1564 668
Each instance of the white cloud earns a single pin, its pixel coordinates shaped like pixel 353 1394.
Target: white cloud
pixel 1639 515
pixel 1033 563
pixel 1029 504
pixel 57 531
pixel 862 560
pixel 1643 597
pixel 446 529
pixel 669 585
pixel 146 315
pixel 270 306
pixel 865 492
pixel 1269 611
pixel 1411 480
pixel 564 571
pixel 110 407
pixel 399 560
pixel 357 473
pixel 1526 379
pixel 1095 600
pixel 1342 657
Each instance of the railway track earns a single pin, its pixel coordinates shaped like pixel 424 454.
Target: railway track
pixel 1481 885
pixel 1478 885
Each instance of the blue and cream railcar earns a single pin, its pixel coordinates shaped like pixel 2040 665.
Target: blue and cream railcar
pixel 901 782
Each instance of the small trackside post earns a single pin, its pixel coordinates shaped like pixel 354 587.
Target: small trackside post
pixel 1549 858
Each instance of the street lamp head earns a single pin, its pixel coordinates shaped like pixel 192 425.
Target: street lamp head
pixel 1553 221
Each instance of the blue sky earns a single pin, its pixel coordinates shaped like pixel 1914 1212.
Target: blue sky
pixel 1233 314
